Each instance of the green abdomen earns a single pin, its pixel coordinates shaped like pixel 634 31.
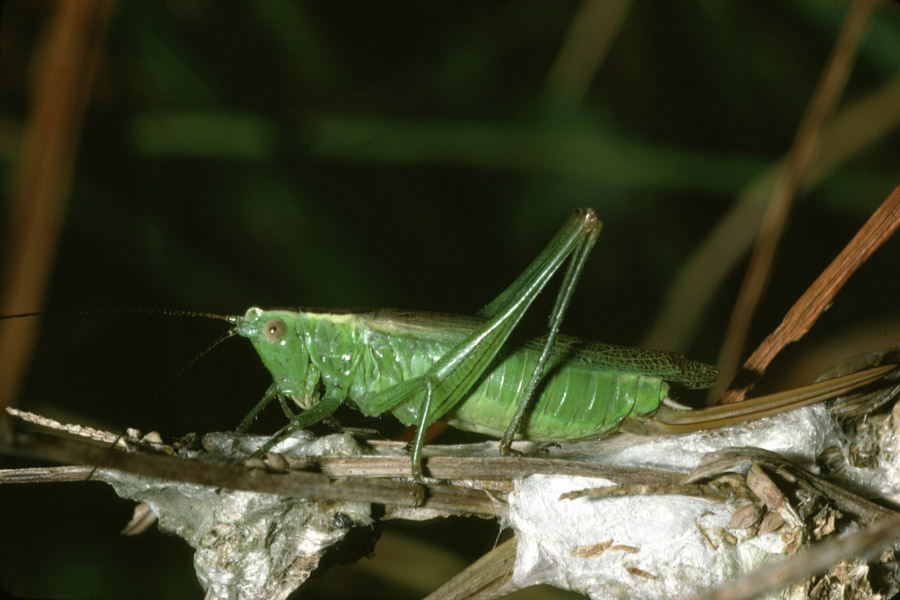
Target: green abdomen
pixel 574 401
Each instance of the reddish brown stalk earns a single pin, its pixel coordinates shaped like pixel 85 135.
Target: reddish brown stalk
pixel 880 226
pixel 796 167
pixel 66 68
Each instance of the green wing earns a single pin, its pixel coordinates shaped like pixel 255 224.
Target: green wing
pixel 669 366
pixel 439 327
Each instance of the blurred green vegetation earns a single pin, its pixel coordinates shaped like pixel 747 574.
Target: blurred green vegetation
pixel 341 154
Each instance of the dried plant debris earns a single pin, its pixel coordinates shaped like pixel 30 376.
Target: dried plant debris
pixel 678 545
pixel 248 545
pixel 747 515
pixel 790 507
pixel 787 503
pixel 867 462
pixel 629 516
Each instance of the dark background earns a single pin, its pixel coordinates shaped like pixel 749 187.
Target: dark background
pixel 389 154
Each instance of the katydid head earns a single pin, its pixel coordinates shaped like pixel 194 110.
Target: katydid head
pixel 279 340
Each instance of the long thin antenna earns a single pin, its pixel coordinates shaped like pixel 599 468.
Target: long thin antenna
pixel 209 348
pixel 131 311
pixel 151 311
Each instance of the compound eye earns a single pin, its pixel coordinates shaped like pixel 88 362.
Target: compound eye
pixel 273 330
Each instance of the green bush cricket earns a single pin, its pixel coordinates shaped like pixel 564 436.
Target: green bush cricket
pixel 422 367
